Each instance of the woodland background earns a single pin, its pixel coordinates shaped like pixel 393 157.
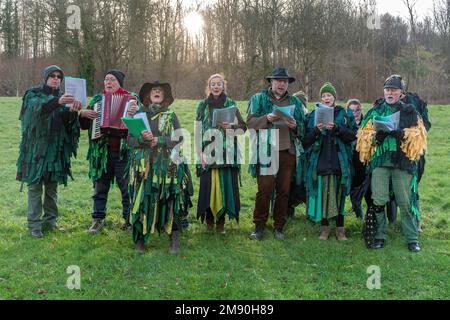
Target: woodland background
pixel 318 40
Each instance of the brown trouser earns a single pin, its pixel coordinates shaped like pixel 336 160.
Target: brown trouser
pixel 281 183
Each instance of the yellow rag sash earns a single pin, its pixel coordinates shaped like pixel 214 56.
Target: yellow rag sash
pixel 216 193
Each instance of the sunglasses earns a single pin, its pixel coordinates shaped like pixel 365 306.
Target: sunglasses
pixel 55 76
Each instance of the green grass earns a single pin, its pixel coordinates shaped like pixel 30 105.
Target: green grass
pixel 213 266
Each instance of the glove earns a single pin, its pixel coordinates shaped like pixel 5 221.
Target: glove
pixel 380 136
pixel 336 129
pixel 398 134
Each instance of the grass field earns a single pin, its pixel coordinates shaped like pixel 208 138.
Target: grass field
pixel 210 266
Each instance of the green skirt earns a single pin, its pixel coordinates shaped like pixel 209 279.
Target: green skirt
pixel 328 201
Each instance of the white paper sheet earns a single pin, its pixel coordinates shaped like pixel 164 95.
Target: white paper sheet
pixel 77 88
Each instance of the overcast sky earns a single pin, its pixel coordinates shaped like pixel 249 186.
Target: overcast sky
pixel 397 7
pixel 394 7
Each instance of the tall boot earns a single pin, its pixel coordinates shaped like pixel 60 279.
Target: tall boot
pixel 174 242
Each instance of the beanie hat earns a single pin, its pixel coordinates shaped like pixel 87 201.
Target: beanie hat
pixel 49 70
pixel 118 74
pixel 328 87
pixel 394 81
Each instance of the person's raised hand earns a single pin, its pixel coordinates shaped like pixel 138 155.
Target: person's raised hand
pixel 89 114
pixel 133 109
pixel 380 136
pixel 147 135
pixel 67 98
pixel 225 125
pixel 272 117
pixel 154 142
pixel 291 123
pixel 76 106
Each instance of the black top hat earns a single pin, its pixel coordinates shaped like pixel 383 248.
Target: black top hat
pixel 147 87
pixel 280 73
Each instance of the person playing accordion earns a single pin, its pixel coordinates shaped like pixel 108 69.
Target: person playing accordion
pixel 107 154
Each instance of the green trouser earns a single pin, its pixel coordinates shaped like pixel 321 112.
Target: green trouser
pixel 401 185
pixel 35 222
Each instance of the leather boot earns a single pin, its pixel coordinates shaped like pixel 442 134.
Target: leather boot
pixel 324 232
pixel 340 234
pixel 174 242
pixel 258 233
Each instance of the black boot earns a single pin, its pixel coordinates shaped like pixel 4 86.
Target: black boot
pixel 258 233
pixel 370 227
pixel 414 247
pixel 378 244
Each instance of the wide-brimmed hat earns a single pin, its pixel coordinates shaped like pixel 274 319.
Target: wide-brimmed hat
pixel 147 87
pixel 280 73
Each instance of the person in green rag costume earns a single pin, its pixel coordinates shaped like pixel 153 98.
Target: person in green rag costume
pixel 219 182
pixel 160 180
pixel 328 174
pixel 50 133
pixel 421 107
pixel 392 159
pixel 284 164
pixel 108 155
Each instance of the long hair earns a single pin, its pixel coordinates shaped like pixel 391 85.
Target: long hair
pixel 216 75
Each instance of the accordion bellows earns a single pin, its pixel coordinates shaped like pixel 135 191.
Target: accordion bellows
pixel 111 110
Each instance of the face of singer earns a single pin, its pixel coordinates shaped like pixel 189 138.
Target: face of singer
pixel 111 84
pixel 279 87
pixel 54 80
pixel 157 95
pixel 356 109
pixel 216 86
pixel 392 95
pixel 327 99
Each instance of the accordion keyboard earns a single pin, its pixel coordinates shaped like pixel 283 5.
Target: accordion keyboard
pixel 96 122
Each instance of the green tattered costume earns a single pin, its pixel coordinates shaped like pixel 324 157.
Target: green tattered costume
pixel 159 188
pixel 401 156
pixel 98 149
pixel 219 187
pixel 339 186
pixel 261 105
pixel 49 140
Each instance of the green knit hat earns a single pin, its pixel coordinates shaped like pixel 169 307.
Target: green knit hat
pixel 328 87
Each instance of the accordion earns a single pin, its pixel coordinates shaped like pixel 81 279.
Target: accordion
pixel 111 110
